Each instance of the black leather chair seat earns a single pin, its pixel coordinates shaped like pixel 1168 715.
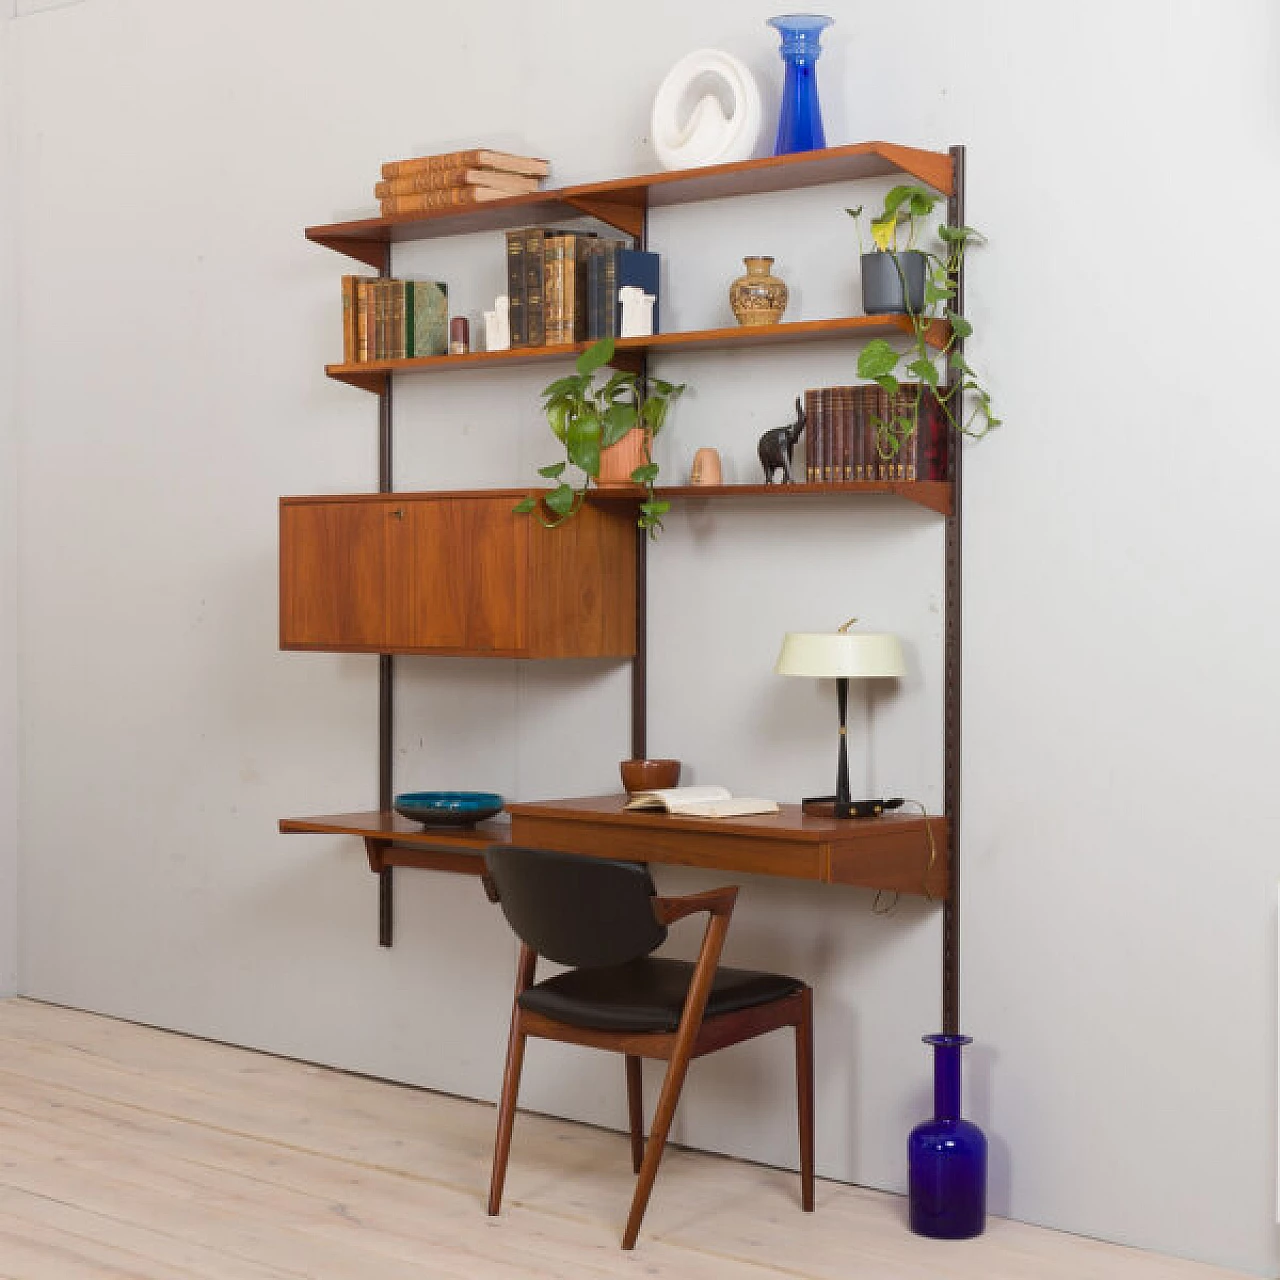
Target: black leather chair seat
pixel 647 994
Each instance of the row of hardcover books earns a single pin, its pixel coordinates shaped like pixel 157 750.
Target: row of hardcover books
pixel 424 183
pixel 563 285
pixel 844 440
pixel 386 319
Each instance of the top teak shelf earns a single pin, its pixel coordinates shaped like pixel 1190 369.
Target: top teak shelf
pixel 623 202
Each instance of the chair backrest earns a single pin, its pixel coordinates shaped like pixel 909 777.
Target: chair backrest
pixel 578 911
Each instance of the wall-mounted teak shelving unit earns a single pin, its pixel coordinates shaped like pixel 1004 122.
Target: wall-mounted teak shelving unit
pixel 883 852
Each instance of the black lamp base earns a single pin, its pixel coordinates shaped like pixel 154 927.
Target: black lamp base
pixel 830 807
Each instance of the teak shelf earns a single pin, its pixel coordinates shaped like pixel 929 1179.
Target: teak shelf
pixel 373 375
pixel 622 202
pixel 891 852
pixel 935 495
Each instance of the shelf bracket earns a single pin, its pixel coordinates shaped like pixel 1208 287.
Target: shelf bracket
pixel 376 850
pixel 628 218
pixel 938 170
pixel 373 253
pixel 375 380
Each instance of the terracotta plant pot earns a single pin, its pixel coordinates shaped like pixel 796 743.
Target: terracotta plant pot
pixel 618 461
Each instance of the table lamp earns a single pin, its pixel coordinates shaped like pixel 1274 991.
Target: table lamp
pixel 842 655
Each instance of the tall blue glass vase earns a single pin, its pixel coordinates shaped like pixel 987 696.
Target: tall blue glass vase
pixel 947 1156
pixel 800 119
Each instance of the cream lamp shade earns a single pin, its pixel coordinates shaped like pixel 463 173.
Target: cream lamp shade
pixel 827 654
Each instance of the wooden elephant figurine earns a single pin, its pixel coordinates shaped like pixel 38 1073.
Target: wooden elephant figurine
pixel 777 445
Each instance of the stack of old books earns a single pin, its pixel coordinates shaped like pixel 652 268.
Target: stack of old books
pixel 456 178
pixel 850 436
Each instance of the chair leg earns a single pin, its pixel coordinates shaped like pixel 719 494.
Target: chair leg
pixel 635 1110
pixel 506 1113
pixel 653 1149
pixel 804 1097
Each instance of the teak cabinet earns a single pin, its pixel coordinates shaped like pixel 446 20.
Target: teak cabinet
pixel 455 573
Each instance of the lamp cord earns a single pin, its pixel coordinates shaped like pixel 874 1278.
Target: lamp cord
pixel 887 908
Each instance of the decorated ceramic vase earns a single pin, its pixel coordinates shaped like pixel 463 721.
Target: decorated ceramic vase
pixel 758 297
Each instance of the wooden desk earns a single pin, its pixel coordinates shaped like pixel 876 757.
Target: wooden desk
pixel 889 852
pixel 892 852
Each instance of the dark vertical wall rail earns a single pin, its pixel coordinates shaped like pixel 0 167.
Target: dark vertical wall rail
pixel 640 663
pixel 386 667
pixel 953 676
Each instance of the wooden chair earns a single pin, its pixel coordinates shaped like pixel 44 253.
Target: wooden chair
pixel 603 919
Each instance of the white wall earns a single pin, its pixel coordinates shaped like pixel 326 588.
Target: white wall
pixel 1119 851
pixel 8 542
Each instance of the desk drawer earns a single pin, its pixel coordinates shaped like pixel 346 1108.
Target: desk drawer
pixel 894 857
pixel 720 849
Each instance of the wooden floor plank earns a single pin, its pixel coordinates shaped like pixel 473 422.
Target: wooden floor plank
pixel 130 1152
pixel 104 1237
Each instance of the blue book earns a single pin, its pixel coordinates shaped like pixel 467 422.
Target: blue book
pixel 640 268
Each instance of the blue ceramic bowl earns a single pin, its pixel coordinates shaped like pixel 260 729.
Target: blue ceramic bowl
pixel 447 808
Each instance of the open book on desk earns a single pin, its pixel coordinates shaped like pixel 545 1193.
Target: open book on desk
pixel 701 802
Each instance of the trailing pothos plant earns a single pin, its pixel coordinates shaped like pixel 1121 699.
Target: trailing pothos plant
pixel 896 231
pixel 587 416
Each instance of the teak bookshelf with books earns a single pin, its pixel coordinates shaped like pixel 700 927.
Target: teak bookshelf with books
pixel 623 204
pixel 371 375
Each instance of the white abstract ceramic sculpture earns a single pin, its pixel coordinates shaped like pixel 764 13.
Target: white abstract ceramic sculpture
pixel 497 325
pixel 637 312
pixel 706 135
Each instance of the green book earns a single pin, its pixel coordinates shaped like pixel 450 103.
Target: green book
pixel 426 318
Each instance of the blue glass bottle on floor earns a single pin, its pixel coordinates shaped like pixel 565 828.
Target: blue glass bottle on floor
pixel 800 119
pixel 947 1156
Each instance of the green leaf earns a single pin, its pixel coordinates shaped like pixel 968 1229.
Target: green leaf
pixel 959 325
pixel 653 414
pixel 558 420
pixel 523 508
pixel 887 382
pixel 563 387
pixel 645 474
pixel 924 371
pixel 876 358
pixel 595 357
pixel 920 202
pixel 651 514
pixel 960 365
pixel 551 471
pixel 560 500
pixel 896 198
pixel 617 421
pixel 583 443
pixel 619 383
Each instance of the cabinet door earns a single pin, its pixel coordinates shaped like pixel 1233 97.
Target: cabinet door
pixel 496 577
pixel 335 573
pixel 430 571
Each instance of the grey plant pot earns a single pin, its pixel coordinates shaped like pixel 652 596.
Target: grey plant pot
pixel 882 283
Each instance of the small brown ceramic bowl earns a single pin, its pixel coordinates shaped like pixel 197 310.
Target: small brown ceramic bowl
pixel 649 775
